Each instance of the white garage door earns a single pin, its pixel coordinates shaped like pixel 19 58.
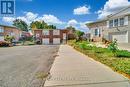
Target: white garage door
pixel 1 38
pixel 122 38
pixel 45 41
pixel 56 40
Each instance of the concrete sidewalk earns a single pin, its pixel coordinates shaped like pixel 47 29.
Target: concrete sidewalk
pixel 73 69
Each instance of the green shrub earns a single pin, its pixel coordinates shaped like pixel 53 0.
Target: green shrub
pixel 82 46
pixel 85 42
pixel 89 47
pixel 9 39
pixel 113 46
pixel 122 53
pixel 101 50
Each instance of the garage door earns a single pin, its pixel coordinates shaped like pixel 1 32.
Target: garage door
pixel 56 40
pixel 45 41
pixel 1 38
pixel 121 38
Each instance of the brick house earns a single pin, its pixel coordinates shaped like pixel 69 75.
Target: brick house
pixel 55 36
pixel 9 30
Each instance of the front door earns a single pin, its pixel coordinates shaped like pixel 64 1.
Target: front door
pixel 64 36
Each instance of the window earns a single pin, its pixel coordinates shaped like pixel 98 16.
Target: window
pixel 56 32
pixel 96 32
pixel 121 21
pixel 111 23
pixel 1 29
pixel 45 32
pixel 116 22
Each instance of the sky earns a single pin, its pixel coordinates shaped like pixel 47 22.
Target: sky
pixel 64 13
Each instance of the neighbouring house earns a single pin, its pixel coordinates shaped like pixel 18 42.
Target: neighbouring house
pixel 11 31
pixel 71 34
pixel 53 36
pixel 115 26
pixel 97 30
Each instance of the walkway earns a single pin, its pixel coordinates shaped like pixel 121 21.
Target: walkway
pixel 73 69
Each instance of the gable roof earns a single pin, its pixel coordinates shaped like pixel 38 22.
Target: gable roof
pixel 7 26
pixel 10 26
pixel 122 12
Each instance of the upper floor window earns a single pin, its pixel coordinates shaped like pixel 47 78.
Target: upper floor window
pixel 45 32
pixel 1 29
pixel 56 32
pixel 118 22
pixel 115 22
pixel 122 21
pixel 111 23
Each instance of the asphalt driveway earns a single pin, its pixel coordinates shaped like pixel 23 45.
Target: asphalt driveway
pixel 25 66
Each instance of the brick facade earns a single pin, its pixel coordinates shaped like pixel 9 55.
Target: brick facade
pixel 11 31
pixel 39 34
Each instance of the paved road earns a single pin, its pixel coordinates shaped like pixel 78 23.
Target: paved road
pixel 24 66
pixel 73 69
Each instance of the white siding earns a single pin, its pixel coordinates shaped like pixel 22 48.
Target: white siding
pixel 118 21
pixel 107 24
pixel 92 32
pixel 126 20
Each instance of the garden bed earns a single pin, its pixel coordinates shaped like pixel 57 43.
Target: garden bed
pixel 119 61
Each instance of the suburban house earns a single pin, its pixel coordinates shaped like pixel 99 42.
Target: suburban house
pixel 116 26
pixel 97 30
pixel 53 36
pixel 11 31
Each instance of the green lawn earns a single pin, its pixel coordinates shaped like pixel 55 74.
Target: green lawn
pixel 119 61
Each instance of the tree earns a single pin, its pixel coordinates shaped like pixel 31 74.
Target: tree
pixel 51 27
pixel 71 28
pixel 79 35
pixel 20 24
pixel 41 25
pixel 37 25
